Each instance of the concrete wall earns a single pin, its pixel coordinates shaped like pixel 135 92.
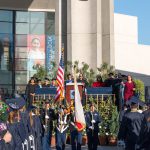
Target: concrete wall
pixel 108 53
pixel 90 31
pixel 82 31
pixel 129 55
pixel 28 4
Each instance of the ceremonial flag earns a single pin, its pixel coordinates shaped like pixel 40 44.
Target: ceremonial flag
pixel 60 80
pixel 79 113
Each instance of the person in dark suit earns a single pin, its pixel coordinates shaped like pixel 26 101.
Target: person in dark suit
pixel 46 83
pixel 30 91
pixel 92 120
pixel 130 127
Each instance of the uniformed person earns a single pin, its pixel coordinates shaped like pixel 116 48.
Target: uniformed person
pixel 76 136
pixel 92 120
pixel 47 116
pixel 61 128
pixel 131 126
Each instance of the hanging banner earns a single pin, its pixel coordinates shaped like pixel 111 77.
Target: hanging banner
pixel 50 51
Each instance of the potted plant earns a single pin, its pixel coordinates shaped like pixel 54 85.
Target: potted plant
pixel 113 127
pixel 53 140
pixel 103 134
pixel 84 137
pixel 68 138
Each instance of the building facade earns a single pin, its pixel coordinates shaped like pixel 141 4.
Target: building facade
pixel 130 56
pixel 32 33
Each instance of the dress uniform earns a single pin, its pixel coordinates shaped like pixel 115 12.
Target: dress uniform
pixel 76 136
pixel 130 127
pixel 61 129
pixel 92 120
pixel 47 117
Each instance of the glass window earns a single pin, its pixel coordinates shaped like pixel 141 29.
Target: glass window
pixel 50 23
pixel 22 16
pixel 21 77
pixel 21 64
pixel 5 77
pixel 37 17
pixel 37 29
pixel 22 28
pixel 5 15
pixel 21 52
pixel 5 27
pixel 21 40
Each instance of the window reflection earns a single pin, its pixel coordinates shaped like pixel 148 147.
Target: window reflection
pixel 16 37
pixel 5 15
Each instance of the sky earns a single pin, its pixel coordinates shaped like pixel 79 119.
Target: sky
pixel 141 9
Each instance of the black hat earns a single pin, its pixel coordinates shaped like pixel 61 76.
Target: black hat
pixel 92 104
pixel 39 80
pixel 46 78
pixel 135 100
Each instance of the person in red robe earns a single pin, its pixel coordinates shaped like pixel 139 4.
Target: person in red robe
pixel 99 82
pixel 129 88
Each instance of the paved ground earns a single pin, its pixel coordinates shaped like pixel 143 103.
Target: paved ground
pixel 99 148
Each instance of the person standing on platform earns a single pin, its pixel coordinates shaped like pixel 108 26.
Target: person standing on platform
pixel 30 91
pixel 39 84
pixel 53 83
pixel 46 83
pixel 99 82
pixel 61 128
pixel 129 88
pixel 130 127
pixel 92 120
pixel 84 82
pixel 69 79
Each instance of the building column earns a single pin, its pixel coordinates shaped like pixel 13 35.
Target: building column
pixel 108 52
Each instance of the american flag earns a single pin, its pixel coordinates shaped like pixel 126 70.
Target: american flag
pixel 60 80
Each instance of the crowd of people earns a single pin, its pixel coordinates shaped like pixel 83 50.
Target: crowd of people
pixel 30 127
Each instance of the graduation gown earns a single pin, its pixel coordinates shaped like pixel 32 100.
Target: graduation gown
pixel 144 138
pixel 16 142
pixel 130 129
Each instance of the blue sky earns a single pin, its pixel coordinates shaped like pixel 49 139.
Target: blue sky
pixel 141 9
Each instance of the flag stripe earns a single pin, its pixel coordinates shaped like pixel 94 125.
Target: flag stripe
pixel 60 79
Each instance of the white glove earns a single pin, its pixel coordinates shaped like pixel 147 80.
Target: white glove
pixel 47 117
pixel 93 121
pixel 91 127
pixel 61 122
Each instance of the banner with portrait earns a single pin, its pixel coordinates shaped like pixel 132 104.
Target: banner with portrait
pixel 36 52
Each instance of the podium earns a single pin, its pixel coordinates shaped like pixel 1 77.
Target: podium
pixel 70 91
